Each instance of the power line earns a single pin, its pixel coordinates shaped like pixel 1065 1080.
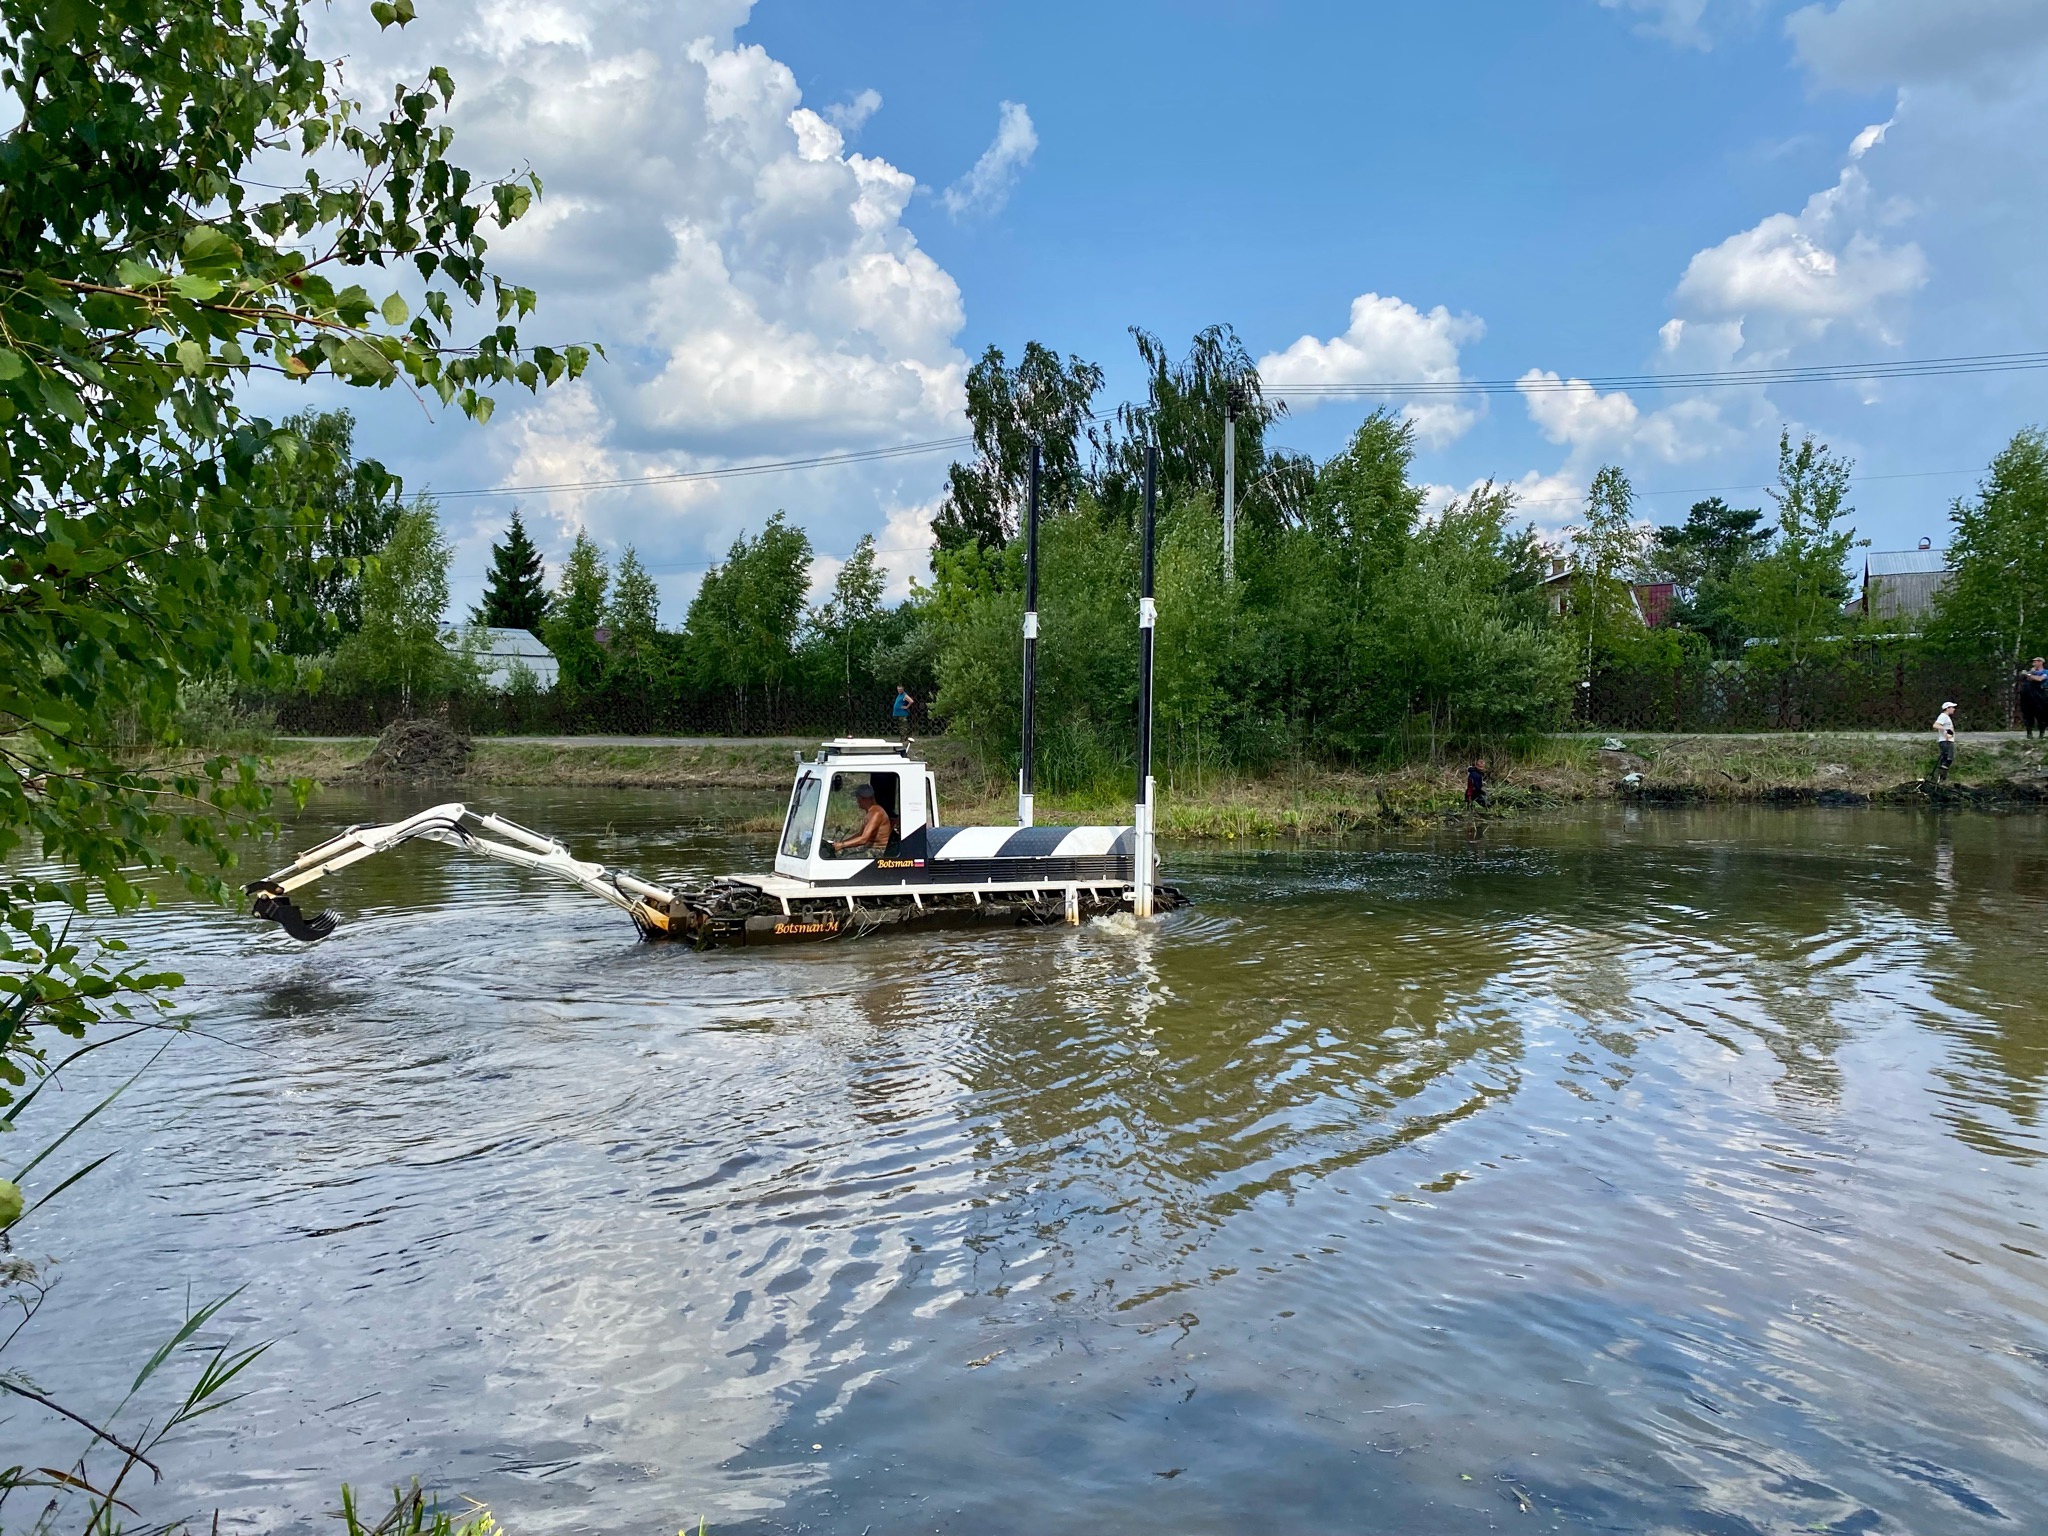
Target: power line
pixel 698 570
pixel 1760 485
pixel 1731 378
pixel 730 472
pixel 1535 383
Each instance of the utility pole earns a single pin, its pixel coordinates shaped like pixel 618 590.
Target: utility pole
pixel 1148 621
pixel 1233 403
pixel 1030 642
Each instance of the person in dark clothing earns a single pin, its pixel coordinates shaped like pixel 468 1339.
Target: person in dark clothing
pixel 2034 697
pixel 900 710
pixel 1475 783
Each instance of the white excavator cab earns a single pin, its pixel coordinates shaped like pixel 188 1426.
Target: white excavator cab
pixel 824 807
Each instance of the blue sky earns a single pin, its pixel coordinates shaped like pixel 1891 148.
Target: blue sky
pixel 771 215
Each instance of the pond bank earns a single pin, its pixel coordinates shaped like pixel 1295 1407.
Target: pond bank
pixel 1306 800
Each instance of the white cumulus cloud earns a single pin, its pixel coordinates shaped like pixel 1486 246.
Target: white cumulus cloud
pixel 1880 43
pixel 1388 341
pixel 751 278
pixel 848 116
pixel 1828 262
pixel 1925 242
pixel 986 187
pixel 1599 425
pixel 1573 411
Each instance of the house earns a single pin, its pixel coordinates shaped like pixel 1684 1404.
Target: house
pixel 1652 599
pixel 1653 602
pixel 1901 583
pixel 1557 586
pixel 501 652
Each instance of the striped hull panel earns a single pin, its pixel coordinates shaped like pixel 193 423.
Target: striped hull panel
pixel 1103 869
pixel 948 844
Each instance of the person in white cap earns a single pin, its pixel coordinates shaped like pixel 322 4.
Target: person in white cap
pixel 1945 738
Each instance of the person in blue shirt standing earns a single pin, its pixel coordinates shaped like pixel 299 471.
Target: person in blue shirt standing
pixel 901 710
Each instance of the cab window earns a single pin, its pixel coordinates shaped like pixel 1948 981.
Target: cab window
pixel 803 818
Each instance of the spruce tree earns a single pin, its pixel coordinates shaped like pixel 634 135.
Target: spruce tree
pixel 515 594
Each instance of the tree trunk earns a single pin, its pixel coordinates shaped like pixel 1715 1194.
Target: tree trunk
pixel 2012 692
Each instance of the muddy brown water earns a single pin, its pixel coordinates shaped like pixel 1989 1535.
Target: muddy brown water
pixel 1641 1171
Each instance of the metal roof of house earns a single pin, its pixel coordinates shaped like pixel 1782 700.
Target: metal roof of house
pixel 1905 562
pixel 506 643
pixel 499 651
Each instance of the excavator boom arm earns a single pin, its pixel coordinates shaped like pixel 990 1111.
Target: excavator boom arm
pixel 448 824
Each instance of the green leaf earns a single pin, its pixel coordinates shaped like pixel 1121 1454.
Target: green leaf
pixel 383 12
pixel 61 399
pixel 191 356
pixel 65 314
pixel 357 360
pixel 10 363
pixel 395 312
pixel 193 286
pixel 209 250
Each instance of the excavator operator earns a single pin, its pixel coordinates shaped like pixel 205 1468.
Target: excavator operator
pixel 877 829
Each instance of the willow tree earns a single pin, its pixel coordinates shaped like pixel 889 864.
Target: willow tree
pixel 1188 401
pixel 1041 400
pixel 148 269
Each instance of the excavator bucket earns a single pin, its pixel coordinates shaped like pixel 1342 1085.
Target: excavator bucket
pixel 279 908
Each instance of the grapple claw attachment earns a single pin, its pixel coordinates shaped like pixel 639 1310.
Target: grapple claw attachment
pixel 278 908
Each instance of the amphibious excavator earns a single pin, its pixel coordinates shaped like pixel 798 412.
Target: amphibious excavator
pixel 925 875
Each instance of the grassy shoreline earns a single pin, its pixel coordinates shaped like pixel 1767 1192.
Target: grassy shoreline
pixel 1308 800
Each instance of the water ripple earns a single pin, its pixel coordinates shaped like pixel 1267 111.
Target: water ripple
pixel 1648 1172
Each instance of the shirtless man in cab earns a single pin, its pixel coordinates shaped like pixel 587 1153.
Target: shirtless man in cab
pixel 876 832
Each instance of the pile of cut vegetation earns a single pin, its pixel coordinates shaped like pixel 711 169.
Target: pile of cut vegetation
pixel 415 752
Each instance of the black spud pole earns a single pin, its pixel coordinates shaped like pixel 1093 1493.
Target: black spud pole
pixel 1030 643
pixel 1148 620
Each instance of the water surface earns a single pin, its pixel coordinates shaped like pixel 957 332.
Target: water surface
pixel 1674 1171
